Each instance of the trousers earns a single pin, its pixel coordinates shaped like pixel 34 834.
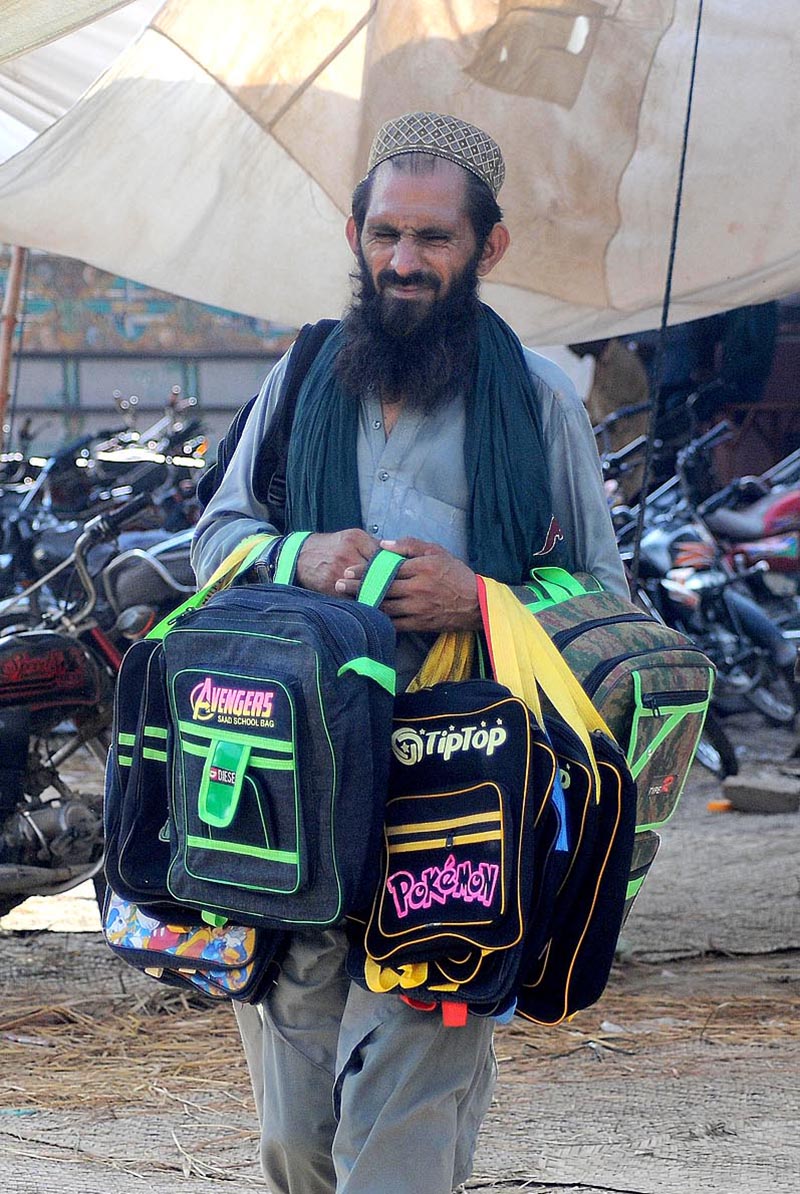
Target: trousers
pixel 356 1092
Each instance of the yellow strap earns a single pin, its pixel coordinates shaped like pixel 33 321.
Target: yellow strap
pixel 550 668
pixel 525 660
pixel 450 658
pixel 229 567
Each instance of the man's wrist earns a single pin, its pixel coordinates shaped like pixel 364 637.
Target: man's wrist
pixel 264 568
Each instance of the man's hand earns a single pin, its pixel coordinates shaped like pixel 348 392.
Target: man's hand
pixel 433 591
pixel 324 559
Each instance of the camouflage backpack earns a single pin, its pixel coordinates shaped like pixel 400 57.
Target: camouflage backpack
pixel 651 685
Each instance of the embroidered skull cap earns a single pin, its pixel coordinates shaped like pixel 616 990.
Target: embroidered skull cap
pixel 444 137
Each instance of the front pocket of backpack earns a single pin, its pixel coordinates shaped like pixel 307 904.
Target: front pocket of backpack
pixel 240 789
pixel 447 873
pixel 666 726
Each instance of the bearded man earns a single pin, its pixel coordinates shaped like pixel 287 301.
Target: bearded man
pixel 422 425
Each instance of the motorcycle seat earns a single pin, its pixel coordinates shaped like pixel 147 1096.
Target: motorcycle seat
pixel 159 576
pixel 741 525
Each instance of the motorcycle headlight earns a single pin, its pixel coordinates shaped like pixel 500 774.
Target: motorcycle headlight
pixel 688 587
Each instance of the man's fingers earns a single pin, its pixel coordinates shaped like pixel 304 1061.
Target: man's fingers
pixel 347 588
pixel 411 547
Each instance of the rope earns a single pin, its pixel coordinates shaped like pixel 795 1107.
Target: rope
pixel 658 367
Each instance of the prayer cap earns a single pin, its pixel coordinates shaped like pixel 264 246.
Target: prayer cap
pixel 444 137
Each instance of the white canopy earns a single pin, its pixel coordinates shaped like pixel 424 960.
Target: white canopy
pixel 37 85
pixel 27 24
pixel 216 158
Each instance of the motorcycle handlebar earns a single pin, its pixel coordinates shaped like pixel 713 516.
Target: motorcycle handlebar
pixel 715 435
pixel 105 526
pixel 612 461
pixel 102 526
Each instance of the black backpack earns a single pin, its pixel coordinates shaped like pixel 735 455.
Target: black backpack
pixel 269 473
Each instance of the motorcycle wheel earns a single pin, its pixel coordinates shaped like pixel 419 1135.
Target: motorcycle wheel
pixel 775 698
pixel 770 690
pixel 96 747
pixel 715 750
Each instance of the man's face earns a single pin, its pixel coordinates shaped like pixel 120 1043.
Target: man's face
pixel 417 241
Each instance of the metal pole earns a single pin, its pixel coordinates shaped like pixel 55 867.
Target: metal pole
pixel 8 321
pixel 658 364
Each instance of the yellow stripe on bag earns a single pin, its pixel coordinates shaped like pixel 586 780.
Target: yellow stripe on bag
pixel 447 823
pixel 441 843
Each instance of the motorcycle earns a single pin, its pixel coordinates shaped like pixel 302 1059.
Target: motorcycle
pixel 688 579
pixel 57 679
pixel 756 521
pixel 41 517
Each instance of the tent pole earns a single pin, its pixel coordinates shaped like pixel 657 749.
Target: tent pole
pixel 8 321
pixel 658 365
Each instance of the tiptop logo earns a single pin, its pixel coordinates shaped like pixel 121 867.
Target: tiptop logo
pixel 411 745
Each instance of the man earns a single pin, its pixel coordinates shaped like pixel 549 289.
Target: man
pixel 425 426
pixel 617 401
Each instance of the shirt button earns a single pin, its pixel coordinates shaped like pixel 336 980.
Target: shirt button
pixel 374 528
pixel 383 475
pixel 377 424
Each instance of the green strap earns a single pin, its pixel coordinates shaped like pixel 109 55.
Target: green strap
pixel 376 582
pixel 289 857
pixel 633 887
pixel 157 756
pixel 196 730
pixel 201 596
pixel 213 918
pixel 373 669
pixel 378 577
pixel 288 556
pixel 551 586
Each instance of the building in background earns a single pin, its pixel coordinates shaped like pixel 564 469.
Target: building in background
pixel 84 334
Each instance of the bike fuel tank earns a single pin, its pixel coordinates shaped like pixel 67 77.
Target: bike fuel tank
pixel 47 670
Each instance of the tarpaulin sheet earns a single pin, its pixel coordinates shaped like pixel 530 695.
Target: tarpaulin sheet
pixel 39 85
pixel 26 24
pixel 216 158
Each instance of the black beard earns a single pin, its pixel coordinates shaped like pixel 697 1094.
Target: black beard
pixel 403 349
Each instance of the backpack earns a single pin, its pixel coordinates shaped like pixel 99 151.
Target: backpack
pixel 269 471
pixel 136 804
pixel 652 686
pixel 175 946
pixel 508 838
pixel 470 775
pixel 280 704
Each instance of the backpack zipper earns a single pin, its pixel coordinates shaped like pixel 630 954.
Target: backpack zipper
pixel 602 669
pixel 563 638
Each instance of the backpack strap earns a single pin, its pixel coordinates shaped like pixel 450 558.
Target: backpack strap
pixel 209 483
pixel 269 473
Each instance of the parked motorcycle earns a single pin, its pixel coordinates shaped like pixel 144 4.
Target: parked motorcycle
pixel 688 579
pixel 56 690
pixel 756 521
pixel 42 516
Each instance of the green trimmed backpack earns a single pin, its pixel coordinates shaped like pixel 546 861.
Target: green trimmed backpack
pixel 651 685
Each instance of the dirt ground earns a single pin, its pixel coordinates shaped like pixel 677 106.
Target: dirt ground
pixel 682 1079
